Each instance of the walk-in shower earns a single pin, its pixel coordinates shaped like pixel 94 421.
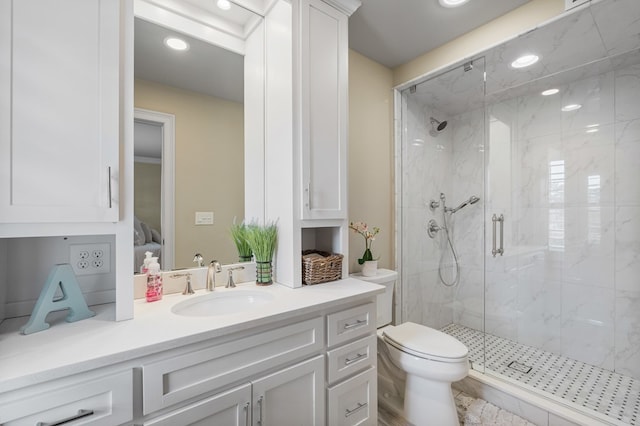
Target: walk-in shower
pixel 556 307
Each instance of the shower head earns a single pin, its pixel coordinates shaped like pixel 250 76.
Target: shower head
pixel 438 125
pixel 472 200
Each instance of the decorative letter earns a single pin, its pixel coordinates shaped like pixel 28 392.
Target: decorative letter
pixel 63 278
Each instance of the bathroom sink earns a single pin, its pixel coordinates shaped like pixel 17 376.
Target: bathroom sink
pixel 221 303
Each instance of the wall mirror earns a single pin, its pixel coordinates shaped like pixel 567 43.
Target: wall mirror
pixel 190 120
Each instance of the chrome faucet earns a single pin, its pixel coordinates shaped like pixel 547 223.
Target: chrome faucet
pixel 187 289
pixel 213 268
pixel 230 282
pixel 199 260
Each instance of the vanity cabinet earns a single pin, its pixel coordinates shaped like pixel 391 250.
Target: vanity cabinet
pixel 59 111
pixel 323 53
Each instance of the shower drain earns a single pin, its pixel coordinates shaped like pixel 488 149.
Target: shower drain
pixel 518 366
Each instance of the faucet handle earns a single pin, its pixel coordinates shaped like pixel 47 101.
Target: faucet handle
pixel 216 265
pixel 230 283
pixel 199 260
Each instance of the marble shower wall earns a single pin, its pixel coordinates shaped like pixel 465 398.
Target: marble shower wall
pixel 427 165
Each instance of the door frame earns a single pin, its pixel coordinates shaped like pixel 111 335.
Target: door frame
pixel 167 122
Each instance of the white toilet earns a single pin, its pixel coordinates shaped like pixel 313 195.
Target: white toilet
pixel 416 364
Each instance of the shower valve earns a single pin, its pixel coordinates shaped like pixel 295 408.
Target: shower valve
pixel 433 228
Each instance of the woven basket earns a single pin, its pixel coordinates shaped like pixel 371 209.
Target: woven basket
pixel 320 269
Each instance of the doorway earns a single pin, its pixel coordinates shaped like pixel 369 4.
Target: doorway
pixel 165 149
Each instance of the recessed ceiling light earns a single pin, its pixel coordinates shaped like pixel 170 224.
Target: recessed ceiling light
pixel 525 61
pixel 588 126
pixel 452 3
pixel 550 92
pixel 595 129
pixel 224 4
pixel 176 43
pixel 571 107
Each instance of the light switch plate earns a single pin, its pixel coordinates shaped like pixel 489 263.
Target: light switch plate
pixel 204 218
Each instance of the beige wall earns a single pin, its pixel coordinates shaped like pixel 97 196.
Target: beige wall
pixel 371 144
pixel 370 157
pixel 209 167
pixel 493 33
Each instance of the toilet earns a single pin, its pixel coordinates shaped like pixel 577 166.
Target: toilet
pixel 416 364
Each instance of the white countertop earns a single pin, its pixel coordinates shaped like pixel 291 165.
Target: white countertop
pixel 69 348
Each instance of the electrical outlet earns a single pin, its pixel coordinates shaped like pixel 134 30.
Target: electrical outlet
pixel 90 259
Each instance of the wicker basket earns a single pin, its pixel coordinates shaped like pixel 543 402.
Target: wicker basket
pixel 320 267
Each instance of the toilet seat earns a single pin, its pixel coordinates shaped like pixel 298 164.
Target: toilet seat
pixel 425 342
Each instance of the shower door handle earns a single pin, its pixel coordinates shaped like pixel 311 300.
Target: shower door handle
pixel 500 250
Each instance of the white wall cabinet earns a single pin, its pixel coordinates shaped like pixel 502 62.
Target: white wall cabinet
pixel 324 91
pixel 306 138
pixel 59 111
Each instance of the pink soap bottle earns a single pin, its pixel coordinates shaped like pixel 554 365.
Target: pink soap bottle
pixel 154 281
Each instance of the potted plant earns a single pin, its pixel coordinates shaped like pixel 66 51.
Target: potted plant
pixel 262 239
pixel 369 264
pixel 239 235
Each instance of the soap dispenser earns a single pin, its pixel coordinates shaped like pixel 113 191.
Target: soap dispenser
pixel 154 281
pixel 144 268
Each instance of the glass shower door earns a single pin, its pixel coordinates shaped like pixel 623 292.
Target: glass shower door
pixel 441 205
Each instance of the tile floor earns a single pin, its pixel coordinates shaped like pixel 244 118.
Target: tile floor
pixel 471 412
pixel 593 388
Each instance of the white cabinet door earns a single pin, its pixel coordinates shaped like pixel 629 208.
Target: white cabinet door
pixel 324 89
pixel 59 94
pixel 292 396
pixel 231 408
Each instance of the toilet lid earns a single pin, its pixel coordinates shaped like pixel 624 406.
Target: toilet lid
pixel 425 342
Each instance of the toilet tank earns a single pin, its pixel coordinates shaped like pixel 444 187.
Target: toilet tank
pixel 387 278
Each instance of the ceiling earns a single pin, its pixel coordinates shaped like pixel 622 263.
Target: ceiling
pixel 204 68
pixel 393 32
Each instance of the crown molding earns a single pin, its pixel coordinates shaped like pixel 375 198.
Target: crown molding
pixel 345 6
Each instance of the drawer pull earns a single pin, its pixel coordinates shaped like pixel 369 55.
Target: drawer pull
pixel 81 414
pixel 358 323
pixel 246 414
pixel 109 186
pixel 358 357
pixel 360 406
pixel 259 422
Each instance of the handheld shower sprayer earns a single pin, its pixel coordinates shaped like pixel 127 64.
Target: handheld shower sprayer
pixel 472 200
pixel 433 229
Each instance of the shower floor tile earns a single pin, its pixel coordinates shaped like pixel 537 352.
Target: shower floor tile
pixel 594 388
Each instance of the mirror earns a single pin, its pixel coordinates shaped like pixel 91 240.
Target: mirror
pixel 189 134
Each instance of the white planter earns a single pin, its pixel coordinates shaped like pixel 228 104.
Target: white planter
pixel 370 268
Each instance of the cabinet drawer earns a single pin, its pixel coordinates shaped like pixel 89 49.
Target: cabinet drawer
pixel 350 324
pixel 104 401
pixel 354 401
pixel 177 379
pixel 351 358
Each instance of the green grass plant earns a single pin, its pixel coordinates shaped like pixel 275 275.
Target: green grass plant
pixel 262 239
